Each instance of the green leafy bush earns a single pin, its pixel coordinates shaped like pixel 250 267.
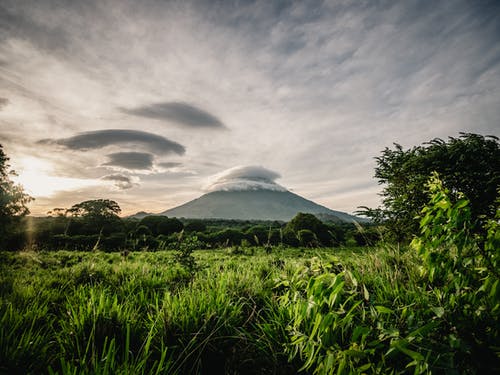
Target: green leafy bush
pixel 462 270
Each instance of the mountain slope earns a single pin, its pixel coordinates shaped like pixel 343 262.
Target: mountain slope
pixel 260 204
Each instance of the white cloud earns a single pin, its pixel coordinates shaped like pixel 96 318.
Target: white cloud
pixel 244 178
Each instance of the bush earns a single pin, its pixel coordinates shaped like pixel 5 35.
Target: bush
pixel 464 272
pixel 311 223
pixel 195 226
pixel 467 164
pixel 307 238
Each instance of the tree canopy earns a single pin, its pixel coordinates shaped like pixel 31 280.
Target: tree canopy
pixel 162 224
pixel 309 222
pixel 469 164
pixel 95 216
pixel 13 199
pixel 95 208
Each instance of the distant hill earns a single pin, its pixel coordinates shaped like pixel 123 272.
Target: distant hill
pixel 142 214
pixel 256 204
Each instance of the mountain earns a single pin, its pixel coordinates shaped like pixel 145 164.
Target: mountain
pixel 254 204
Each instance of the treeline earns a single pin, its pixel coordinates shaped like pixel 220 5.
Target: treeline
pixel 152 233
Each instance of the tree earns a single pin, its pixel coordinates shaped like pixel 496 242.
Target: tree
pixel 310 222
pixel 169 226
pixel 468 164
pixel 97 208
pixel 13 199
pixel 258 234
pixel 95 216
pixel 307 238
pixel 162 224
pixel 195 226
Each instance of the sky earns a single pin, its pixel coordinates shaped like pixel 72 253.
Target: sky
pixel 154 103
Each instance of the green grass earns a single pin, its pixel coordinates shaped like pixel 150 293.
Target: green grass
pixel 319 310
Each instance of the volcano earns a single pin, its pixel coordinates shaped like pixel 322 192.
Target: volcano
pixel 251 193
pixel 260 204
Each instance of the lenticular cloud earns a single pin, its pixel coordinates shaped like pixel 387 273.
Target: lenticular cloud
pixel 245 178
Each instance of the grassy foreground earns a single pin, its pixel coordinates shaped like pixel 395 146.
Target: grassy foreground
pixel 238 312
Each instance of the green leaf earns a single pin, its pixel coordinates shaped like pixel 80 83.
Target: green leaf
pixel 461 203
pixel 364 367
pixel 401 346
pixel 366 295
pixel 422 331
pixel 383 310
pixel 439 311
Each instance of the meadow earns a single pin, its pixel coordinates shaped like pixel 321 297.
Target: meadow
pixel 234 311
pixel 431 306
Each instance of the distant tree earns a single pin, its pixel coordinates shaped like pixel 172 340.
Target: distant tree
pixel 95 216
pixel 57 212
pixel 195 226
pixel 101 208
pixel 469 164
pixel 310 222
pixel 13 199
pixel 258 234
pixel 162 224
pixel 169 226
pixel 367 235
pixel 289 237
pixel 142 230
pixel 338 233
pixel 227 236
pixel 307 238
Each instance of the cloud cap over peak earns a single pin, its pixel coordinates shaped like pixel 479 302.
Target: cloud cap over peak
pixel 240 178
pixel 179 112
pixel 109 137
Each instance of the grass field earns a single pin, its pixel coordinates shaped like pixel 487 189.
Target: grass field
pixel 236 311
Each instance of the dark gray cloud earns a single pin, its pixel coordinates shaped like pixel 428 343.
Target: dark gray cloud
pixel 131 160
pixel 121 181
pixel 182 113
pixel 169 164
pixel 3 102
pixel 102 138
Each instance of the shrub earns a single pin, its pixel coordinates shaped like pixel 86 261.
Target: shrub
pixel 463 271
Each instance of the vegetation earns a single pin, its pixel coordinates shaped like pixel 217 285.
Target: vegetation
pixel 13 202
pixel 160 295
pixel 469 164
pixel 433 307
pixel 75 229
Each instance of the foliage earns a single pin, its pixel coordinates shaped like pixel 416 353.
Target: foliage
pixel 13 200
pixel 96 208
pixel 463 270
pixel 97 216
pixel 184 254
pixel 365 309
pixel 72 312
pixel 258 235
pixel 154 233
pixel 162 225
pixel 195 226
pixel 304 221
pixel 340 324
pixel 307 238
pixel 469 164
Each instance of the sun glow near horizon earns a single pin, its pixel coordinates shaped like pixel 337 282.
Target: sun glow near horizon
pixel 38 179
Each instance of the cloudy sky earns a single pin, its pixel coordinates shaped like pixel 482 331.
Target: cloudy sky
pixel 144 102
